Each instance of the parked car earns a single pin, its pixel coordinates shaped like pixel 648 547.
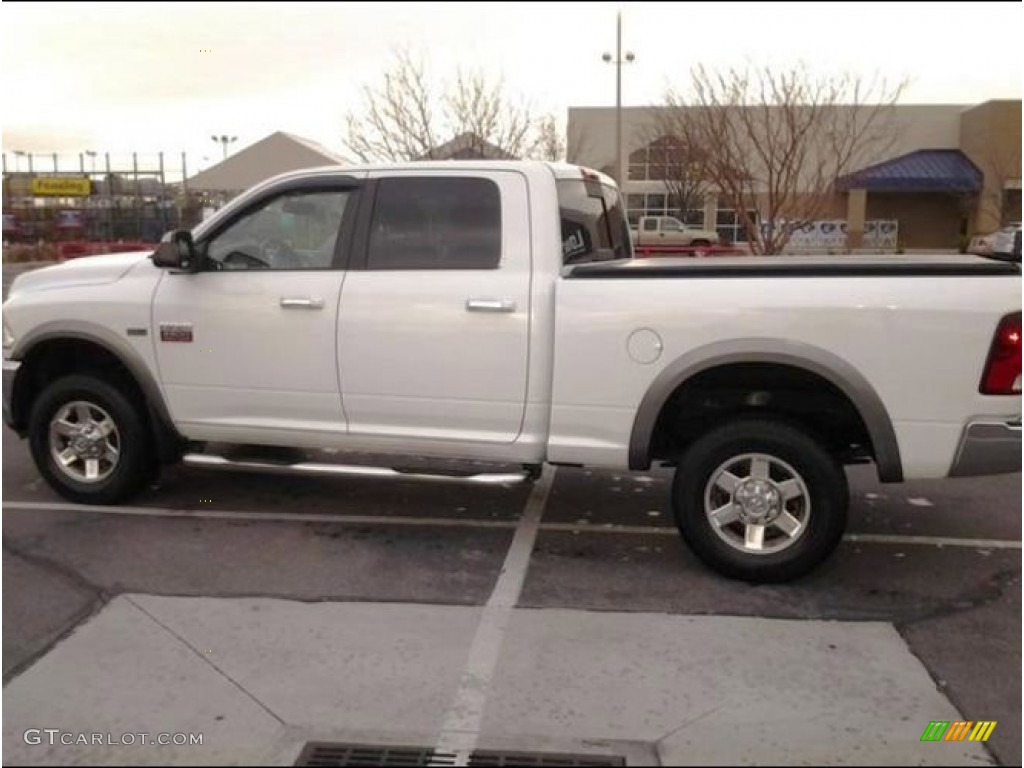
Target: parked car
pixel 490 311
pixel 1006 243
pixel 14 231
pixel 668 232
pixel 1000 242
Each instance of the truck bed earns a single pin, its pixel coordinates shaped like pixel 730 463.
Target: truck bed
pixel 797 266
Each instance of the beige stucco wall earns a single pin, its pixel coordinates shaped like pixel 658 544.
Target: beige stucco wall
pixel 591 131
pixel 990 135
pixel 926 219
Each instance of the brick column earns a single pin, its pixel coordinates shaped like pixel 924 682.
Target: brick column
pixel 856 210
pixel 710 211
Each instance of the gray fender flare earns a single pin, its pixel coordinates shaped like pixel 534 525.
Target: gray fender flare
pixel 112 343
pixel 829 366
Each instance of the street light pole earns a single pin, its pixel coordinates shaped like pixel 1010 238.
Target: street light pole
pixel 224 141
pixel 618 61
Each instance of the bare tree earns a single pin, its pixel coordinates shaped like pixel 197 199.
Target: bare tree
pixel 403 118
pixel 776 142
pixel 399 121
pixel 479 110
pixel 578 143
pixel 675 160
pixel 550 143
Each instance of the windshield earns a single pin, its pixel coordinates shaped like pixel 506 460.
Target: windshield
pixel 593 222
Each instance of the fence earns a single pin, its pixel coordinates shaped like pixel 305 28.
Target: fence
pixel 92 196
pixel 830 234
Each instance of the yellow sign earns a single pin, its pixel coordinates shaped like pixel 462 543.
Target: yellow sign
pixel 61 186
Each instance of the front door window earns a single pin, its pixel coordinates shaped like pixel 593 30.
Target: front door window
pixel 292 231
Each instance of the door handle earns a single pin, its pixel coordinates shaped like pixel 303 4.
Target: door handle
pixel 304 302
pixel 490 305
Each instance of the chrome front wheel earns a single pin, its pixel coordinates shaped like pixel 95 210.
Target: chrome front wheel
pixel 91 440
pixel 85 442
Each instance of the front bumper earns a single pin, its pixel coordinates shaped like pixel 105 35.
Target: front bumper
pixel 10 371
pixel 988 447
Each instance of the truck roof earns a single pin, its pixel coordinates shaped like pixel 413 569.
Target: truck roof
pixel 558 170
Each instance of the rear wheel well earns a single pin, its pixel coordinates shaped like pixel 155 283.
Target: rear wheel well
pixel 800 397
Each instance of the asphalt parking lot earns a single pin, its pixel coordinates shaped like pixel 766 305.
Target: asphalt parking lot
pixel 565 616
pixel 938 562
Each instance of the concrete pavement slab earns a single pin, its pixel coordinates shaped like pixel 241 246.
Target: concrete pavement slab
pixel 259 677
pixel 722 690
pixel 330 665
pixel 122 673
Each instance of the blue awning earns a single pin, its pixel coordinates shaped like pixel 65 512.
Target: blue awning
pixel 926 170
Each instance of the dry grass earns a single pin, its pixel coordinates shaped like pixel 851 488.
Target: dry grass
pixel 18 253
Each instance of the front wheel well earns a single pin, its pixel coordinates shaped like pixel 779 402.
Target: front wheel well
pixel 798 396
pixel 55 358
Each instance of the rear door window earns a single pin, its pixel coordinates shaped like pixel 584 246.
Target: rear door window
pixel 435 223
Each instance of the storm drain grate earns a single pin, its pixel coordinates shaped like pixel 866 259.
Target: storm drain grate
pixel 486 759
pixel 328 754
pixel 325 754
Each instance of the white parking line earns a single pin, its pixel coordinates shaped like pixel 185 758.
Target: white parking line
pixel 461 726
pixel 451 522
pixel 935 541
pixel 290 517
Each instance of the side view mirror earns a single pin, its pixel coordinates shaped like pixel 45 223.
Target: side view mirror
pixel 176 250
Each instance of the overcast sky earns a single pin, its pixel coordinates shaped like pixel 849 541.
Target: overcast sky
pixel 165 76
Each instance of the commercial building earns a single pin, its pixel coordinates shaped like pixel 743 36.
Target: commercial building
pixel 948 172
pixel 277 153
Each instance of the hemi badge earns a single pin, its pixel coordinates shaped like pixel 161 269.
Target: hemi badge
pixel 137 331
pixel 180 332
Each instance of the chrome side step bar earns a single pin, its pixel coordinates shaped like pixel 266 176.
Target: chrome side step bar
pixel 318 468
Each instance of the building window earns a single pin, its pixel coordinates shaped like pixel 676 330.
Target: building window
pixel 660 204
pixel 729 226
pixel 662 159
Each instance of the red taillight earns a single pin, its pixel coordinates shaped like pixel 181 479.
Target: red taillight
pixel 1002 372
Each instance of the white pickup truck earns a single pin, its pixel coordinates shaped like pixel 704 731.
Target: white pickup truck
pixel 668 232
pixel 490 311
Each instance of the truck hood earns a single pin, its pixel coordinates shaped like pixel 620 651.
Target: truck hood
pixel 87 270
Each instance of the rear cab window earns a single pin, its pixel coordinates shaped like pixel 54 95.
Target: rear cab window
pixel 593 222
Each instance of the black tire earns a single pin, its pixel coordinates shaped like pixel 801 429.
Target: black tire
pixel 702 243
pixel 135 465
pixel 823 478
